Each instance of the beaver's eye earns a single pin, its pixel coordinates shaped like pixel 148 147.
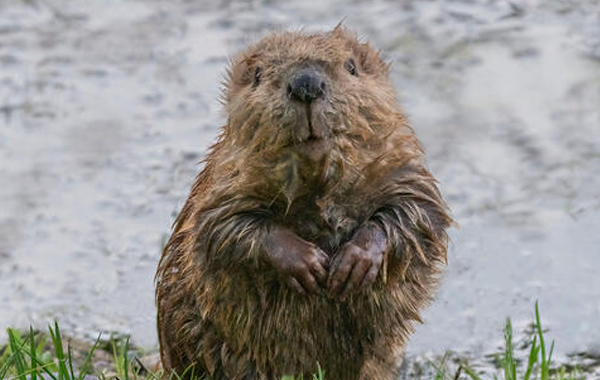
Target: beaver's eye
pixel 351 67
pixel 257 75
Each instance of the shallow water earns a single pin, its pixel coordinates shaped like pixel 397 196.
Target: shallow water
pixel 106 107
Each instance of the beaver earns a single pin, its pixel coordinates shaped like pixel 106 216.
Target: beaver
pixel 315 234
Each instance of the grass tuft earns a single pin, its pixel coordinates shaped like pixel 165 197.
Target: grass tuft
pixel 27 358
pixel 538 363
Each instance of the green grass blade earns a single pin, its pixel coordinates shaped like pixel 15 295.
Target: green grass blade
pixel 3 371
pixel 115 356
pixel 320 375
pixel 508 361
pixel 63 373
pixel 545 360
pixel 183 375
pixel 33 354
pixel 538 326
pixel 4 368
pixel 126 358
pixel 471 373
pixel 533 358
pixel 121 359
pixel 189 370
pixel 86 367
pixel 441 367
pixel 70 361
pixel 7 363
pixel 16 346
pixel 4 358
pixel 42 343
pixel 46 368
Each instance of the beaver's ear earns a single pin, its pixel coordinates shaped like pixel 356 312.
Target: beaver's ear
pixel 240 72
pixel 369 60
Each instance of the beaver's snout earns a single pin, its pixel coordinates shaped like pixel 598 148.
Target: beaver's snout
pixel 306 85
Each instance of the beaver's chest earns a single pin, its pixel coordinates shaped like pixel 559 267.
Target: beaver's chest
pixel 327 222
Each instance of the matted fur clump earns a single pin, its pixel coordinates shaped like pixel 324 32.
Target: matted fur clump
pixel 314 233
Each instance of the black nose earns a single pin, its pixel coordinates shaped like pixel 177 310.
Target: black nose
pixel 306 86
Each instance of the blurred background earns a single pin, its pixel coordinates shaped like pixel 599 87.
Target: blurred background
pixel 108 106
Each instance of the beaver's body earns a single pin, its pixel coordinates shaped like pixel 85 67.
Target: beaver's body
pixel 286 195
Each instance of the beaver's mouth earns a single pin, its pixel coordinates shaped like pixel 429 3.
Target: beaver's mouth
pixel 310 136
pixel 312 139
pixel 315 135
pixel 314 143
pixel 309 122
pixel 314 147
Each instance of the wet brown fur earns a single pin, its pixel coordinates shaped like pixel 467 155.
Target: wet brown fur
pixel 221 307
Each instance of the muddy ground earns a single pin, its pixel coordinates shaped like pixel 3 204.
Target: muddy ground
pixel 107 106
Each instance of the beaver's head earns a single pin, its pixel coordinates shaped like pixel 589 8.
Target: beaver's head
pixel 308 95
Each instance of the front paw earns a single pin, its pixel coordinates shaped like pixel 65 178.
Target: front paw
pixel 299 263
pixel 357 263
